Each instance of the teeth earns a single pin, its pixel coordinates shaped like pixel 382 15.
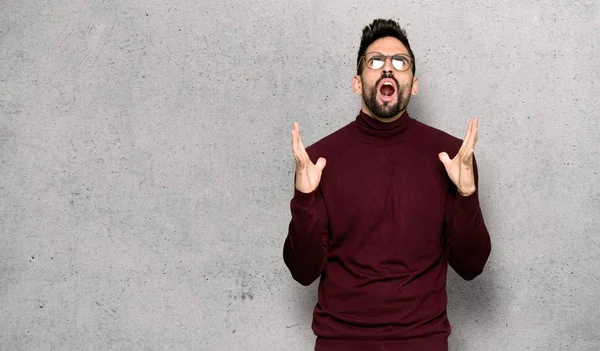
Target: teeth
pixel 387 83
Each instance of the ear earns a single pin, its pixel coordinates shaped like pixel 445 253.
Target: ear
pixel 357 84
pixel 415 86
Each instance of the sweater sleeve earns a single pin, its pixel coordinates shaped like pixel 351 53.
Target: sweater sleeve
pixel 305 248
pixel 468 241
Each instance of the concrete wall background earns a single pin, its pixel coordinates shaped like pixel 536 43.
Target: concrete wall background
pixel 146 171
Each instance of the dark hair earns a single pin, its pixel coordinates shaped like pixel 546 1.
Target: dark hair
pixel 381 28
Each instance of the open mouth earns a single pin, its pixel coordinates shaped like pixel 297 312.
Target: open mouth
pixel 387 90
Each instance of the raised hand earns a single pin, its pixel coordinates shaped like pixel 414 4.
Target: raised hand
pixel 308 174
pixel 460 168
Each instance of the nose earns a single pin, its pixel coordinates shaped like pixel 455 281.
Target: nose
pixel 387 64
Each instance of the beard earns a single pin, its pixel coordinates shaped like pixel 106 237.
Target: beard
pixel 386 110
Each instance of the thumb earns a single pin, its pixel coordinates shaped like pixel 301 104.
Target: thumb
pixel 321 163
pixel 444 158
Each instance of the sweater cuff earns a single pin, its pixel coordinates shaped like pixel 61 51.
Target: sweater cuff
pixel 303 200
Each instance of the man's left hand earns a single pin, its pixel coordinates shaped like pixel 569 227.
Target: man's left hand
pixel 460 168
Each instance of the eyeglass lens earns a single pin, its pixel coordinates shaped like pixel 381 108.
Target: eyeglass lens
pixel 399 62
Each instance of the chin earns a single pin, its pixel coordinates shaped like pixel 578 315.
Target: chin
pixel 388 110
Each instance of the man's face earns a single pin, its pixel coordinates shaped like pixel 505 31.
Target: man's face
pixel 385 91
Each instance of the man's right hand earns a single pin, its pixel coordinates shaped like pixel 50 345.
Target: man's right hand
pixel 308 174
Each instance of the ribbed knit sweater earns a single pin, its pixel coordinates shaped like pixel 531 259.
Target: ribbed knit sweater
pixel 380 231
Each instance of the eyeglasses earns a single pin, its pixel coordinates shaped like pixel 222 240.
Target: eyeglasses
pixel 376 60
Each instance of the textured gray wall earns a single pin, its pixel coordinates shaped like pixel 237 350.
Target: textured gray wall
pixel 146 170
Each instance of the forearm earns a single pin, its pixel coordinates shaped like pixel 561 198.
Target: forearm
pixel 469 243
pixel 304 251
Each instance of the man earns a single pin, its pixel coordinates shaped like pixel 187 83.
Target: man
pixel 380 209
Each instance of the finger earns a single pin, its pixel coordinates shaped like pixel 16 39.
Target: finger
pixel 463 145
pixel 470 139
pixel 470 149
pixel 297 131
pixel 443 156
pixel 297 147
pixel 475 134
pixel 300 144
pixel 470 146
pixel 302 148
pixel 300 151
pixel 295 139
pixel 472 132
pixel 321 162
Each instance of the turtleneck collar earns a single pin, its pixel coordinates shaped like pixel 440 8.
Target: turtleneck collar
pixel 382 130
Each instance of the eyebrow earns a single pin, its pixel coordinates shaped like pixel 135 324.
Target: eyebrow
pixel 398 53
